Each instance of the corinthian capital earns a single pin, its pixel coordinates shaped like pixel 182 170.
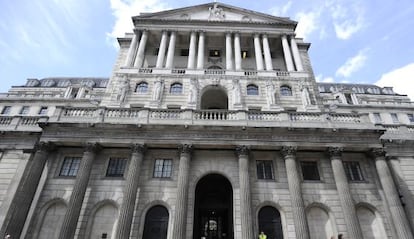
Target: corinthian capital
pixel 289 151
pixel 44 146
pixel 92 147
pixel 138 148
pixel 242 150
pixel 185 148
pixel 377 152
pixel 335 151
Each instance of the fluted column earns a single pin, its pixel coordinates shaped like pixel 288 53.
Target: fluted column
pixel 229 52
pixel 161 50
pixel 78 193
pixel 130 192
pixel 237 51
pixel 192 50
pixel 200 55
pixel 267 54
pixel 296 55
pixel 258 52
pixel 141 49
pixel 399 218
pixel 245 198
pixel 344 193
pixel 131 51
pixel 171 50
pixel 16 216
pixel 180 215
pixel 287 54
pixel 294 182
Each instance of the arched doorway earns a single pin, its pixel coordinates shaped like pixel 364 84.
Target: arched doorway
pixel 156 223
pixel 213 211
pixel 270 222
pixel 214 98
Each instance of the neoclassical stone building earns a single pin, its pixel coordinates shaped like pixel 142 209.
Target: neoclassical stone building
pixel 211 126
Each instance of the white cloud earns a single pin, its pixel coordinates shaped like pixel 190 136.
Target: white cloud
pixel 281 11
pixel 348 18
pixel 308 23
pixel 347 28
pixel 402 79
pixel 323 79
pixel 123 10
pixel 352 64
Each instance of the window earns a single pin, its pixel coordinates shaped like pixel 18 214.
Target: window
pixel 184 52
pixel 74 93
pixel 214 53
pixel 252 90
pixel 394 118
pixel 142 87
pixel 70 166
pixel 24 110
pixel 410 118
pixel 348 98
pixel 162 168
pixel 6 110
pixel 353 171
pixel 116 167
pixel 43 110
pixel 377 118
pixel 310 170
pixel 285 90
pixel 176 88
pixel 264 169
pixel 245 54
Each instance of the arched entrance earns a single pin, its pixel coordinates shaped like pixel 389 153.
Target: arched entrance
pixel 270 222
pixel 213 211
pixel 214 98
pixel 156 223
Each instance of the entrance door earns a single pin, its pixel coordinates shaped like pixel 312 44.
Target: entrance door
pixel 213 212
pixel 156 223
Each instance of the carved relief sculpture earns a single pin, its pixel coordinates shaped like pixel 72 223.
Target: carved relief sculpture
pixel 236 93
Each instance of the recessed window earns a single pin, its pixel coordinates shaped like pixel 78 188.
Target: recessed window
pixel 24 110
pixel 310 170
pixel 214 53
pixel 70 166
pixel 410 118
pixel 377 118
pixel 74 93
pixel 142 87
pixel 162 168
pixel 264 169
pixel 353 171
pixel 176 88
pixel 348 98
pixel 245 54
pixel 285 90
pixel 184 52
pixel 116 167
pixel 43 110
pixel 6 110
pixel 394 118
pixel 252 90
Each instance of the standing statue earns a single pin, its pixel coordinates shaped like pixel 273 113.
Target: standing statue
pixel 270 93
pixel 123 90
pixel 305 96
pixel 157 90
pixel 236 92
pixel 192 95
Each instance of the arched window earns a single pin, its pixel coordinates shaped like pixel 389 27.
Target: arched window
pixel 371 224
pixel 285 90
pixel 156 223
pixel 142 87
pixel 176 88
pixel 270 222
pixel 252 89
pixel 320 225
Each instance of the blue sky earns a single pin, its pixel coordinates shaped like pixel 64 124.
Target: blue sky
pixel 363 41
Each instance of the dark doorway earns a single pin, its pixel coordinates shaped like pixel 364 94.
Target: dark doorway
pixel 156 223
pixel 270 222
pixel 213 211
pixel 214 98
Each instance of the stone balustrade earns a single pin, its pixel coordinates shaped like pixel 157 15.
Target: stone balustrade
pixel 21 123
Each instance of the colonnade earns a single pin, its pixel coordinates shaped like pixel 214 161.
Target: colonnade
pixel 196 52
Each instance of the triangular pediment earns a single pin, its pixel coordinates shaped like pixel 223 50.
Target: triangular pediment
pixel 216 12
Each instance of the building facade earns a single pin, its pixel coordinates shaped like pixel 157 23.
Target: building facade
pixel 211 126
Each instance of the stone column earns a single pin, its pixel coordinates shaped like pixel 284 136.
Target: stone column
pixel 399 218
pixel 79 188
pixel 16 216
pixel 131 51
pixel 296 55
pixel 192 50
pixel 294 182
pixel 267 54
pixel 200 56
pixel 237 51
pixel 344 193
pixel 161 50
pixel 229 52
pixel 126 211
pixel 180 214
pixel 171 50
pixel 286 53
pixel 258 52
pixel 141 50
pixel 245 198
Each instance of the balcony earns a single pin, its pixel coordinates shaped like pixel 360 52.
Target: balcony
pixel 21 123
